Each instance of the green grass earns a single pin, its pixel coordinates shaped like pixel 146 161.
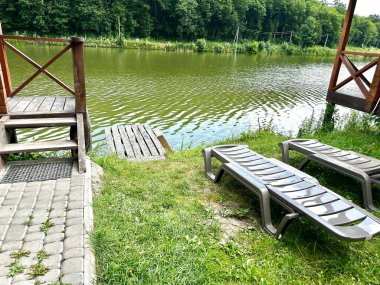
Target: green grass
pixel 154 224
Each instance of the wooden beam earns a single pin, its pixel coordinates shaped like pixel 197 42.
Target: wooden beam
pixel 23 38
pixel 359 53
pixel 347 101
pixel 342 43
pixel 4 66
pixel 79 76
pixel 352 70
pixel 374 92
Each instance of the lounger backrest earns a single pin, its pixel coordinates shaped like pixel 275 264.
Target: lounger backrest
pixel 303 194
pixel 309 146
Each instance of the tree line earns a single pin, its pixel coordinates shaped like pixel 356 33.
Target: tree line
pixel 303 22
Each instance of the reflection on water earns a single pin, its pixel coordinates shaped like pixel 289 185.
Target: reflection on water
pixel 192 98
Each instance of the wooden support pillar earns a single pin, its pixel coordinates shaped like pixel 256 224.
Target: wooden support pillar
pixel 342 43
pixel 374 92
pixel 79 77
pixel 5 79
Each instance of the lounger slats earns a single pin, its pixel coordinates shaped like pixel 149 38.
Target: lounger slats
pixel 346 217
pixel 318 200
pixel 330 208
pixel 307 193
pixel 300 192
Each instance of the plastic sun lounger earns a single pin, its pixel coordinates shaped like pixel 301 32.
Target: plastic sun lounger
pixel 296 191
pixel 358 166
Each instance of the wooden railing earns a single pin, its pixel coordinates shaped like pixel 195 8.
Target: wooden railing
pixel 369 88
pixel 74 44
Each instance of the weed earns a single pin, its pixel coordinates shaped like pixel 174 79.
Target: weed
pixel 15 269
pixel 28 221
pixel 21 253
pixel 41 256
pixel 37 269
pixel 46 225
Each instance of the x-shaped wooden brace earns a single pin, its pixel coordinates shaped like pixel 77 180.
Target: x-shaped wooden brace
pixel 356 74
pixel 41 69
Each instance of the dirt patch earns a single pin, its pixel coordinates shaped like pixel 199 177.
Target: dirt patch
pixel 96 178
pixel 229 224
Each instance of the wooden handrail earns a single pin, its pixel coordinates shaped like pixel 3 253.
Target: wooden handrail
pixel 359 53
pixel 38 39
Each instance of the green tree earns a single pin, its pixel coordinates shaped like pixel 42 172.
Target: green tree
pixel 186 11
pixel 363 32
pixel 310 32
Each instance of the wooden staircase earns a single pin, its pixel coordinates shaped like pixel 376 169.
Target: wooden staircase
pixel 34 112
pixel 76 143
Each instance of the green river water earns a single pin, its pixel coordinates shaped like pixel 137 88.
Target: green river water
pixel 192 98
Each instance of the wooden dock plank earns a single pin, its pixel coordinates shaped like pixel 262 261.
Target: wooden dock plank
pixel 144 149
pixel 118 143
pixel 126 142
pixel 13 102
pixel 47 104
pixel 59 104
pixel 109 139
pixel 155 140
pixel 35 104
pixel 23 104
pixel 39 146
pixel 148 140
pixel 70 104
pixel 133 140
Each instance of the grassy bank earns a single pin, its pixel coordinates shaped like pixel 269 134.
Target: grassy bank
pixel 163 222
pixel 245 47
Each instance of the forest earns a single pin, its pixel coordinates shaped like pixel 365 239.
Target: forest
pixel 302 22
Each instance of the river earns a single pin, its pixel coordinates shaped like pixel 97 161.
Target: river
pixel 192 98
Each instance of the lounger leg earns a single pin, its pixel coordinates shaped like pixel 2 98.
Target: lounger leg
pixel 207 155
pixel 285 151
pixel 285 223
pixel 304 163
pixel 367 195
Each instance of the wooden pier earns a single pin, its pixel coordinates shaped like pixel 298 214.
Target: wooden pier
pixel 18 112
pixel 136 142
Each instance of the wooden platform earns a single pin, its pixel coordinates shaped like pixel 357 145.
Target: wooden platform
pixel 136 142
pixel 40 104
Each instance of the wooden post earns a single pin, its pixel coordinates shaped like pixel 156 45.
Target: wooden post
pixel 374 92
pixel 79 77
pixel 342 43
pixel 5 79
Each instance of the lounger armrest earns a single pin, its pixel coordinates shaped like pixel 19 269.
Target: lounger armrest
pixel 341 166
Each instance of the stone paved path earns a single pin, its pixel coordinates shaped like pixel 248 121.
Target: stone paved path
pixel 44 228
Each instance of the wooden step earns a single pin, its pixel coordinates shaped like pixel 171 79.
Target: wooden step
pixel 39 146
pixel 40 122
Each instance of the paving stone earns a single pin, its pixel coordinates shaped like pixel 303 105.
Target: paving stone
pixel 5 221
pixel 26 203
pixel 42 204
pixel 58 221
pixel 60 198
pixel 5 258
pixel 56 229
pixel 4 189
pixel 72 265
pixel 34 228
pixel 26 282
pixel 5 280
pixel 13 195
pixel 10 202
pixel 73 279
pixel 20 278
pixel 62 184
pixel 18 221
pixel 45 195
pixel 27 261
pixel 74 252
pixel 3 271
pixel 74 230
pixel 74 221
pixel 77 213
pixel 54 238
pixel 23 213
pixel 53 261
pixel 57 213
pixel 52 276
pixel 30 194
pixel 59 205
pixel 15 232
pixel 38 220
pixel 40 213
pixel 11 245
pixel 73 242
pixel 3 231
pixel 33 246
pixel 54 248
pixel 34 236
pixel 7 211
pixel 72 205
